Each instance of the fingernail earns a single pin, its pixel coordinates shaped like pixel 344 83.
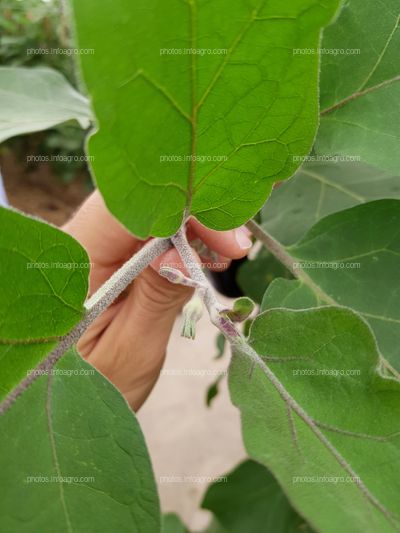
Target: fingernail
pixel 242 238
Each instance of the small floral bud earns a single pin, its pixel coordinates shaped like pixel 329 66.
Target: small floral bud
pixel 175 276
pixel 192 312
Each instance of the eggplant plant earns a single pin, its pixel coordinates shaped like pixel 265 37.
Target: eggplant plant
pixel 197 109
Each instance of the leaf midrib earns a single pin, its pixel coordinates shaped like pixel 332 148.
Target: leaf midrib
pixel 54 452
pixel 357 95
pixel 196 105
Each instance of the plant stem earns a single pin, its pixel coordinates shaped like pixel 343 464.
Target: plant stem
pixel 241 348
pixel 278 250
pixel 95 306
pixel 207 293
pixel 272 245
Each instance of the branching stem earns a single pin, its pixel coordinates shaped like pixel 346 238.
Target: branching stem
pixel 287 260
pixel 241 348
pixel 98 303
pixel 213 306
pixel 278 250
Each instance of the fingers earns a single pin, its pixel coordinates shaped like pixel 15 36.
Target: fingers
pixel 233 244
pixel 105 239
pixel 109 244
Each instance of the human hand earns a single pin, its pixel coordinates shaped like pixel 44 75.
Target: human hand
pixel 127 343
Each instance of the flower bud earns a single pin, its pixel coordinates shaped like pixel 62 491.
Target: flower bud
pixel 192 312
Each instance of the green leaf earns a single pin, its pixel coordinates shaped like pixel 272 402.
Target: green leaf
pixel 43 286
pixel 353 257
pixel 256 274
pixel 228 125
pixel 73 458
pixel 330 433
pixel 34 99
pixel 251 501
pixel 319 189
pixel 241 309
pixel 290 294
pixel 359 93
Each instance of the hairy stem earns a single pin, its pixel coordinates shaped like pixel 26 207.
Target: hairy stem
pixel 94 306
pixel 241 348
pixel 206 291
pixel 278 250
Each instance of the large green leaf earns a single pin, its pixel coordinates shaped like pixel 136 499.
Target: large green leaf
pixel 73 458
pixel 321 418
pixel 34 99
pixel 319 189
pixel 43 286
pixel 360 92
pixel 231 122
pixel 354 258
pixel 251 501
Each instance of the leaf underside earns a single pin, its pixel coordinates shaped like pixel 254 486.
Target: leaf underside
pixel 360 92
pixel 43 286
pixel 73 458
pixel 231 122
pixel 250 499
pixel 329 432
pixel 320 189
pixel 35 99
pixel 354 257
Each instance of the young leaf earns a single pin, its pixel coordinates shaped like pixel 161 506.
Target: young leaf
pixel 330 434
pixel 319 189
pixel 251 501
pixel 201 106
pixel 73 458
pixel 34 99
pixel 241 309
pixel 351 258
pixel 43 285
pixel 360 92
pixel 290 294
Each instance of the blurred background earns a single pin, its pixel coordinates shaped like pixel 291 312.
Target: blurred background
pixel 184 436
pixel 53 189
